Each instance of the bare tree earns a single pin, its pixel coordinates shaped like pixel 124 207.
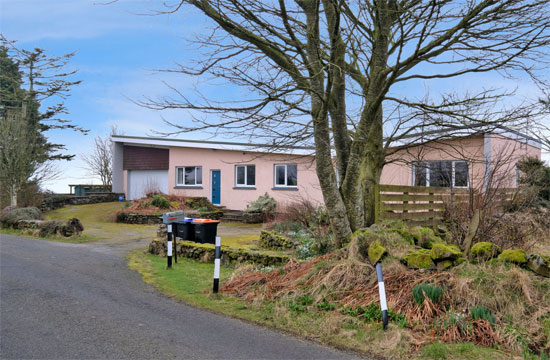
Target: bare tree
pixel 328 72
pixel 99 161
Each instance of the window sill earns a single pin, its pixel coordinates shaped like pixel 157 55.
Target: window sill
pixel 244 188
pixel 188 187
pixel 287 188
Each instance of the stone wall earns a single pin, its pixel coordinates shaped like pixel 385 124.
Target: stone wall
pixel 133 218
pixel 58 201
pixel 205 253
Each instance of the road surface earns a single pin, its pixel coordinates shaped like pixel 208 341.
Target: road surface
pixel 60 301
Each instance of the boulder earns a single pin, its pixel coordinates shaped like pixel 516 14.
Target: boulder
pixel 539 264
pixel 419 259
pixel 484 251
pixel 73 227
pixel 425 237
pixel 516 256
pixel 440 252
pixel 376 252
pixel 445 264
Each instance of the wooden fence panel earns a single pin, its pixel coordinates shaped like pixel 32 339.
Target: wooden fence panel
pixel 420 205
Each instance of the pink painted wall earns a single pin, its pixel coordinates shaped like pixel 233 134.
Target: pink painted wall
pixel 471 149
pixel 225 161
pixel 505 153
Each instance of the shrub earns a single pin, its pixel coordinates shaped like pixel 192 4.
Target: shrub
pixel 325 306
pixel 481 312
pixel 160 202
pixel 265 204
pixel 10 218
pixel 433 292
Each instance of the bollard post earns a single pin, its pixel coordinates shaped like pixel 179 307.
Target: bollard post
pixel 217 265
pixel 382 293
pixel 169 246
pixel 175 232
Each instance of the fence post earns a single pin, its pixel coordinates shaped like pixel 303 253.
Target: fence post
pixel 377 204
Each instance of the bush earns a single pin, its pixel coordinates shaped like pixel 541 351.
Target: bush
pixel 265 204
pixel 433 292
pixel 10 218
pixel 160 202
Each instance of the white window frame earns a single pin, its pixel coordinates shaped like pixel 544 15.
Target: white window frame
pixel 197 168
pixel 453 172
pixel 245 176
pixel 286 177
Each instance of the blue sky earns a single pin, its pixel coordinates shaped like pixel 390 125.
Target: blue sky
pixel 117 53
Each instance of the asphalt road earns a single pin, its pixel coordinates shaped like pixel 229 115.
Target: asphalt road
pixel 82 302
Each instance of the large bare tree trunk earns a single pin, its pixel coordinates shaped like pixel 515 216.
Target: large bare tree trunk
pixel 319 111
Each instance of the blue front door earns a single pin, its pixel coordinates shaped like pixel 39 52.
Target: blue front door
pixel 216 187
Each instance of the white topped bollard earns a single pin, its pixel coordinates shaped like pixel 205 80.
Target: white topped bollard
pixel 217 264
pixel 382 293
pixel 170 218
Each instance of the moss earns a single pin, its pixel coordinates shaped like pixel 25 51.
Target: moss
pixel 517 256
pixel 444 251
pixel 376 252
pixel 539 265
pixel 484 250
pixel 271 240
pixel 405 234
pixel 419 259
pixel 445 264
pixel 425 237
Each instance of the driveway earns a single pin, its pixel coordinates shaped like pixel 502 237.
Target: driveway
pixel 81 301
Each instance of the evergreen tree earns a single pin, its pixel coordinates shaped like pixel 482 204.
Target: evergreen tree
pixel 27 80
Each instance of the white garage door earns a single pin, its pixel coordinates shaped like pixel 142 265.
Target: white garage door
pixel 140 182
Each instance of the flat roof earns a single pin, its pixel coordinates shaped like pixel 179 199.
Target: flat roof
pixel 218 145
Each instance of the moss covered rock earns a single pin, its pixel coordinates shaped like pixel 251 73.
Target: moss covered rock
pixel 484 250
pixel 516 256
pixel 445 264
pixel 419 259
pixel 440 252
pixel 425 237
pixel 270 240
pixel 376 252
pixel 539 264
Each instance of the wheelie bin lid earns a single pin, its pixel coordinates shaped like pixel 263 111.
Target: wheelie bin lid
pixel 202 221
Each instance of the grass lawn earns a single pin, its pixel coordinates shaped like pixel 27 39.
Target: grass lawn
pixel 191 281
pixel 99 222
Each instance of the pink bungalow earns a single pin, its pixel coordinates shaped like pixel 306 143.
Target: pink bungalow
pixel 234 174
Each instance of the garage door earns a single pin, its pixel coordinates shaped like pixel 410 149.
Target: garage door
pixel 140 182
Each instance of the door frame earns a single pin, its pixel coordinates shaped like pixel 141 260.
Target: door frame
pixel 211 193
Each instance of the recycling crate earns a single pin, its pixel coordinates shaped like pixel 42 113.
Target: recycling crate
pixel 205 230
pixel 185 229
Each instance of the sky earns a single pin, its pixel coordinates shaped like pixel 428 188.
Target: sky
pixel 118 49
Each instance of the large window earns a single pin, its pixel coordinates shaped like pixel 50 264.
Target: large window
pixel 245 175
pixel 286 175
pixel 189 176
pixel 441 173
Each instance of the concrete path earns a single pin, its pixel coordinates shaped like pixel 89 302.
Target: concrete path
pixel 66 301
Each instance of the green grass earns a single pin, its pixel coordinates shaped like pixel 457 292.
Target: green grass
pixel 465 351
pixel 99 221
